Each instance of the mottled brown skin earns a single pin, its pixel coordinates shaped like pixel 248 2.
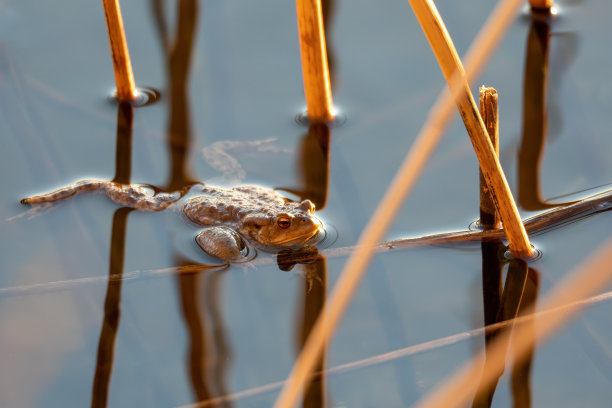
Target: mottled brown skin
pixel 261 216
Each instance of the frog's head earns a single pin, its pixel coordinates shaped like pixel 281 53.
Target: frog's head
pixel 292 226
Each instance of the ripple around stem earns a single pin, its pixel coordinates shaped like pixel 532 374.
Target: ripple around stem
pixel 143 96
pixel 339 118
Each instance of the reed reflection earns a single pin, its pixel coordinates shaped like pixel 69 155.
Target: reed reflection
pixel 315 291
pixel 313 166
pixel 208 353
pixel 517 298
pixel 328 7
pixel 535 115
pixel 112 301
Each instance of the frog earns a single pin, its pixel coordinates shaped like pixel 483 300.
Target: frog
pixel 229 217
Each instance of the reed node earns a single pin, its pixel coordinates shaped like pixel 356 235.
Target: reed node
pixel 315 70
pixel 122 66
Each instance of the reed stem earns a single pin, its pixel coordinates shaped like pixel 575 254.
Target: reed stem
pixel 541 5
pixel 314 60
pixel 489 111
pixel 124 78
pixel 451 66
pixel 426 141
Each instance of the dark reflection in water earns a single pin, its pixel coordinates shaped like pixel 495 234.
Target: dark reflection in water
pixel 517 298
pixel 208 353
pixel 535 115
pixel 123 152
pixel 314 164
pixel 112 302
pixel 112 311
pixel 315 290
pixel 328 8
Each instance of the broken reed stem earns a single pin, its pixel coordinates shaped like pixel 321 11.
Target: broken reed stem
pixel 439 116
pixel 451 66
pixel 124 78
pixel 541 5
pixel 580 284
pixel 489 112
pixel 315 70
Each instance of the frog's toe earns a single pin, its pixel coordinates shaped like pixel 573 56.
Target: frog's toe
pixel 223 243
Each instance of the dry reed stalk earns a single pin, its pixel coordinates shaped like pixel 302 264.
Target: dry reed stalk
pixel 124 78
pixel 541 4
pixel 489 112
pixel 444 50
pixel 580 284
pixel 314 60
pixel 411 168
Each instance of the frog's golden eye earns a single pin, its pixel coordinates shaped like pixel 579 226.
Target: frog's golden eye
pixel 284 222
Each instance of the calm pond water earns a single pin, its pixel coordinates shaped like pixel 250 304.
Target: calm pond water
pixel 230 80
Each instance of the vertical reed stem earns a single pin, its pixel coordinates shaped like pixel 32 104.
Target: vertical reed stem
pixel 453 71
pixel 489 112
pixel 122 66
pixel 314 60
pixel 541 4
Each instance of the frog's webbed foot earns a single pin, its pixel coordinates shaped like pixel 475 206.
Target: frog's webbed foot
pixel 223 243
pixel 127 195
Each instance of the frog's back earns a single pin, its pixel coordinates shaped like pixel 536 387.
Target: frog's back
pixel 217 206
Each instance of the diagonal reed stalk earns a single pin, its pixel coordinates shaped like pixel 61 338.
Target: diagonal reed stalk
pixel 410 170
pixel 580 284
pixel 448 59
pixel 315 69
pixel 124 78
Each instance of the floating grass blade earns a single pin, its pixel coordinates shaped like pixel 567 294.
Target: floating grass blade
pixel 410 170
pixel 124 78
pixel 315 70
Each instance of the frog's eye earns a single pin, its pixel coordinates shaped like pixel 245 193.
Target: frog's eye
pixel 284 222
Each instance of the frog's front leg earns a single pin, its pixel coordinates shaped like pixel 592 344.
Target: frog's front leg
pixel 223 243
pixel 127 195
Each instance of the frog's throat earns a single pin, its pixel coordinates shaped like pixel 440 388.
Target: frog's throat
pixel 296 240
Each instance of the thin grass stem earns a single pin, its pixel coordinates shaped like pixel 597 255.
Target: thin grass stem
pixel 315 69
pixel 124 78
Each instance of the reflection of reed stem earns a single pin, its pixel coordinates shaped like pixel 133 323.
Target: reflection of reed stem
pixel 451 66
pixel 119 51
pixel 581 283
pixel 314 60
pixel 112 312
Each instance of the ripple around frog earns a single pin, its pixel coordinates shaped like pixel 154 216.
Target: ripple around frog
pixel 325 238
